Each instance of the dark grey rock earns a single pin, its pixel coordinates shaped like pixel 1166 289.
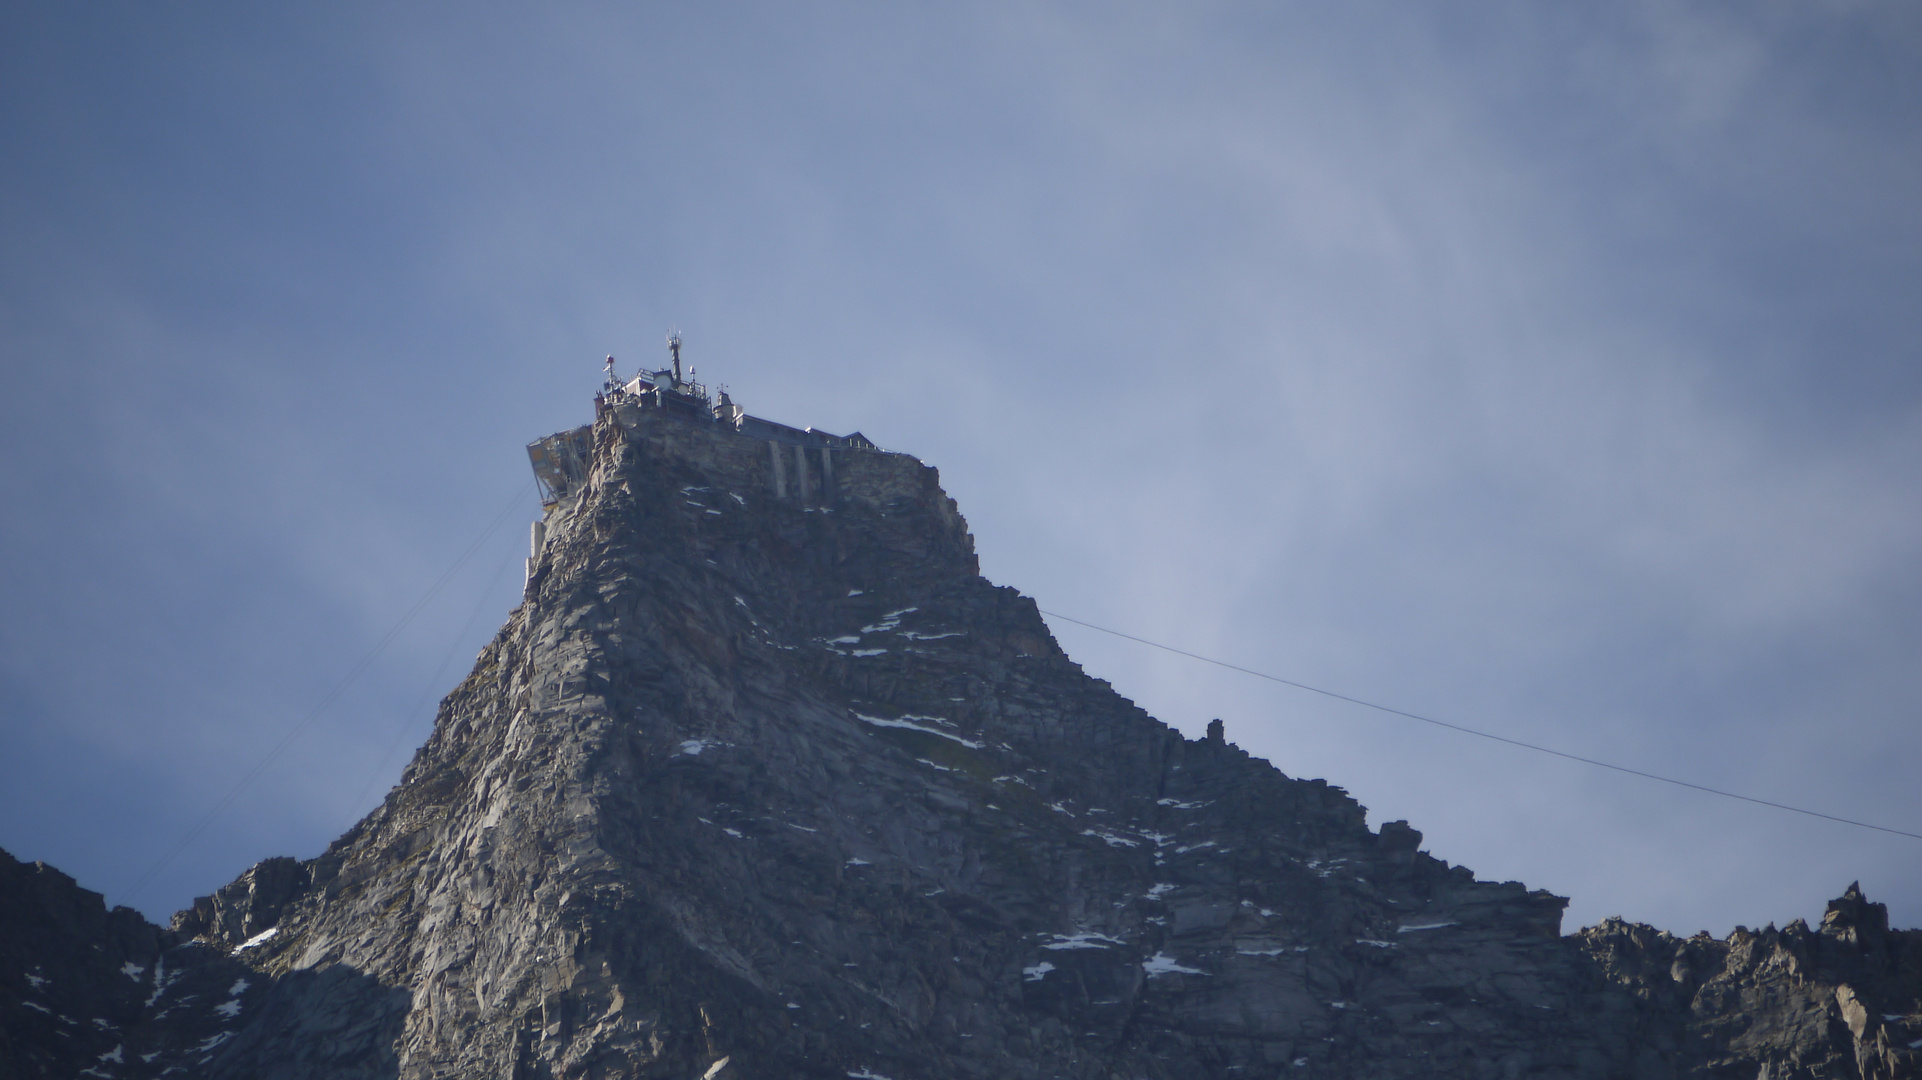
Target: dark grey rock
pixel 752 788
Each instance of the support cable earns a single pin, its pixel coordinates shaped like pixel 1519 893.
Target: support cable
pixel 293 733
pixel 1484 734
pixel 427 692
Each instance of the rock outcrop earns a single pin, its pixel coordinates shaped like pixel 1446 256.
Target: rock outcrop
pixel 85 991
pixel 1844 999
pixel 765 780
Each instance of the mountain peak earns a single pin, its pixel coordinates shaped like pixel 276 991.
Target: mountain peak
pixel 762 778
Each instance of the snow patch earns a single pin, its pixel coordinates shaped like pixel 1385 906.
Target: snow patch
pixel 1086 939
pixel 857 861
pixel 1376 944
pixel 162 980
pixel 131 970
pixel 888 622
pixel 868 1074
pixel 256 941
pixel 38 981
pixel 910 725
pixel 1160 890
pixel 1112 839
pixel 1163 964
pixel 933 765
pixel 1179 805
pixel 716 1067
pixel 1037 972
pixel 1410 928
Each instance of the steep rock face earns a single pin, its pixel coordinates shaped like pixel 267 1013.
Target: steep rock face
pixel 764 780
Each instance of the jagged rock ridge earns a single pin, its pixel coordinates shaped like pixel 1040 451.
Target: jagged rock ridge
pixel 764 780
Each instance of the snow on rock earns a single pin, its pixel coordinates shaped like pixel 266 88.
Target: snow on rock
pixel 1036 972
pixel 1163 964
pixel 1086 939
pixel 888 622
pixel 909 724
pixel 212 1041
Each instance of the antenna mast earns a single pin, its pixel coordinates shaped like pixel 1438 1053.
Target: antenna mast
pixel 674 346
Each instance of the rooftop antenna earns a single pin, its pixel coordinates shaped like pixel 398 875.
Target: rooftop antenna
pixel 674 346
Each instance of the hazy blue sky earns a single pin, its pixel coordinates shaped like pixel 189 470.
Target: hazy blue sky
pixel 1551 369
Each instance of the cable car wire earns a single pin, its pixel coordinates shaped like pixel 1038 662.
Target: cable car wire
pixel 514 504
pixel 1485 734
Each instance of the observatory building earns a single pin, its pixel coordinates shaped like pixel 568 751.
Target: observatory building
pixel 802 466
pixel 800 460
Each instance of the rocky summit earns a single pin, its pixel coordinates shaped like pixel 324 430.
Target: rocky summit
pixel 764 780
